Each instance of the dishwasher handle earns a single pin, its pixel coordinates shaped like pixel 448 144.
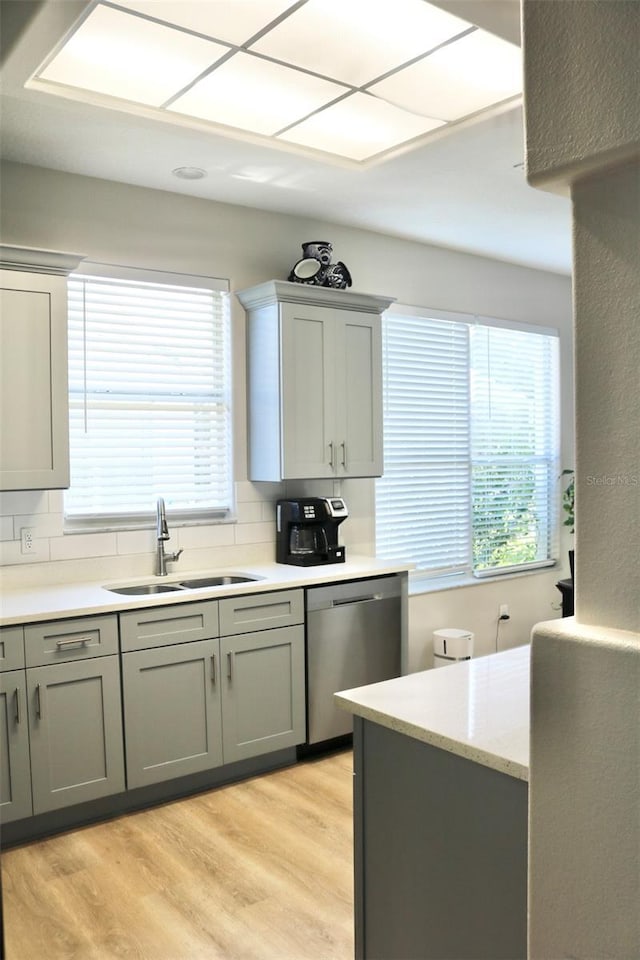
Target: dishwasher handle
pixel 347 601
pixel 350 592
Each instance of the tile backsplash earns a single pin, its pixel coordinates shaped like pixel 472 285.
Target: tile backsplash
pixel 63 558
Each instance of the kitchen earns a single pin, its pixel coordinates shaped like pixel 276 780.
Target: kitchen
pixel 115 222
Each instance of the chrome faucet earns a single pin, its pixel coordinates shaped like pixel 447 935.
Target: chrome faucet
pixel 162 534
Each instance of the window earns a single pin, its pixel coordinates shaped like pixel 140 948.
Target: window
pixel 149 397
pixel 470 444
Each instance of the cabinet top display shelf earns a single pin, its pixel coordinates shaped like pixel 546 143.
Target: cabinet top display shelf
pixel 283 291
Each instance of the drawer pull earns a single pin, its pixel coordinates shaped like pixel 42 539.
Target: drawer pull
pixel 213 669
pixel 16 694
pixel 60 644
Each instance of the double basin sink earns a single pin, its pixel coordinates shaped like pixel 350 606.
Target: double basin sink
pixel 149 589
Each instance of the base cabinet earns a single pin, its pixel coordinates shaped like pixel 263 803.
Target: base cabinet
pixel 202 701
pixel 75 732
pixel 440 853
pixel 263 706
pixel 172 711
pixel 15 770
pixel 158 686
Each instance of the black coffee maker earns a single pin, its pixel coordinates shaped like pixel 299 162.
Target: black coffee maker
pixel 307 530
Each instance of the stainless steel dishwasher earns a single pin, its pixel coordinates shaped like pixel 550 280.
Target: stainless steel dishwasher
pixel 353 639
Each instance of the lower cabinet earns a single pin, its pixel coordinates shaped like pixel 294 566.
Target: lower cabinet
pixel 172 711
pixel 15 771
pixel 75 732
pixel 158 686
pixel 263 705
pixel 190 707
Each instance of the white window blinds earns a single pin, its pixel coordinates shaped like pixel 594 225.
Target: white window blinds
pixel 149 393
pixel 470 445
pixel 514 444
pixel 422 501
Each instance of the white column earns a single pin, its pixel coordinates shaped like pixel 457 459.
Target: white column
pixel 582 106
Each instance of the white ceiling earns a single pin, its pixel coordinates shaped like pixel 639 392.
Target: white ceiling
pixel 464 189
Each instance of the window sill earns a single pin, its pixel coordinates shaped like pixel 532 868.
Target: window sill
pixel 127 526
pixel 419 585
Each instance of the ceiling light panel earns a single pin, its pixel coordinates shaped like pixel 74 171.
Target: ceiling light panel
pixel 358 127
pixel 465 76
pixel 234 21
pixel 125 56
pixel 355 41
pixel 253 94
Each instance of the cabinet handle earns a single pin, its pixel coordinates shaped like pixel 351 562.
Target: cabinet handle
pixel 38 702
pixel 331 463
pixel 17 698
pixel 67 643
pixel 229 667
pixel 344 453
pixel 213 669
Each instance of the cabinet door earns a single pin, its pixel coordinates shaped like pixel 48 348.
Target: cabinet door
pixel 34 434
pixel 263 705
pixel 172 711
pixel 308 400
pixel 75 725
pixel 358 433
pixel 15 776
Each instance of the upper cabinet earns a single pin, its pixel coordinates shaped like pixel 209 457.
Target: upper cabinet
pixel 34 417
pixel 315 382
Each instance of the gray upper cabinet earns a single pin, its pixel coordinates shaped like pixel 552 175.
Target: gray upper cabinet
pixel 34 417
pixel 315 382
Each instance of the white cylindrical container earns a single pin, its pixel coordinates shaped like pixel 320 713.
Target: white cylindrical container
pixel 451 646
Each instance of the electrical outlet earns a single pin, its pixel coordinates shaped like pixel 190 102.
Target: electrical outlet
pixel 27 540
pixel 504 611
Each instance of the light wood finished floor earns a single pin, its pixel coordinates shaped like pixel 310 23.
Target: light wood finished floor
pixel 259 870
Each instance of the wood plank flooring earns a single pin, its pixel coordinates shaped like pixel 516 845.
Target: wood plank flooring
pixel 259 870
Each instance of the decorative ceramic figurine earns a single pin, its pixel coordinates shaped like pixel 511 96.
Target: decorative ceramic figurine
pixel 316 268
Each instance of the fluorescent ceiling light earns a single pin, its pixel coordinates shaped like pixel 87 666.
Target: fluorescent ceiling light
pixel 125 56
pixel 356 41
pixel 396 69
pixel 459 79
pixel 358 127
pixel 234 21
pixel 256 95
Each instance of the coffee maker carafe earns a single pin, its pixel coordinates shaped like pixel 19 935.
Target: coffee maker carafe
pixel 307 530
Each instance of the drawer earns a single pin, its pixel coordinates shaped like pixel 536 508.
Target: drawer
pixel 78 639
pixel 160 626
pixel 261 611
pixel 11 648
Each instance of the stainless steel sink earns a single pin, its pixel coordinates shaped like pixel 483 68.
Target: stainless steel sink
pixel 214 582
pixel 145 589
pixel 149 589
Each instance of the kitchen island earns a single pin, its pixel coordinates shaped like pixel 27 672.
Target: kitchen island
pixel 440 811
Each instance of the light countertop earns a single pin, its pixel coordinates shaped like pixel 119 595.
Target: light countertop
pixel 60 600
pixel 477 709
